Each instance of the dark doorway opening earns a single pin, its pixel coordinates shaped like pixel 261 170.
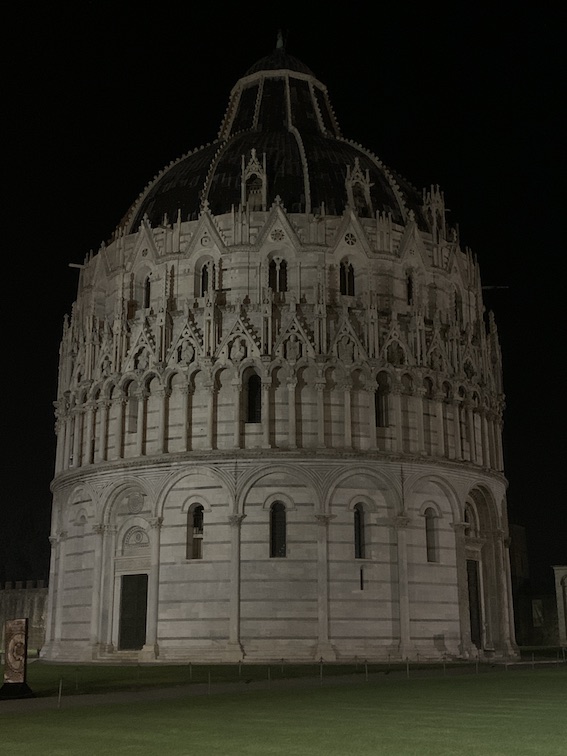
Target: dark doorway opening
pixel 133 610
pixel 475 610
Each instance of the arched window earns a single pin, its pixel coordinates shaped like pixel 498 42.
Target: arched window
pixel 431 536
pixel 195 517
pixel 359 534
pixel 277 530
pixel 147 292
pixel 204 280
pixel 346 275
pixel 254 399
pixel 277 276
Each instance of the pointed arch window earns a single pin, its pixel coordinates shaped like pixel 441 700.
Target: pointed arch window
pixel 410 293
pixel 254 399
pixel 431 535
pixel 359 532
pixel 254 194
pixel 278 528
pixel 195 523
pixel 346 279
pixel 458 307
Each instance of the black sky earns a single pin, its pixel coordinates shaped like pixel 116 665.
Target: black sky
pixel 99 97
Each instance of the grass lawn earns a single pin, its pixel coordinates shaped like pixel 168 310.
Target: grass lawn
pixel 493 714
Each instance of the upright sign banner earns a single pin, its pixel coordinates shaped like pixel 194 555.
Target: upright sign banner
pixel 15 660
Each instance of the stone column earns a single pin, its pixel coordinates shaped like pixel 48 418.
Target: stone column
pixel 50 619
pixel 237 422
pixel 60 446
pixel 164 395
pixel 186 425
pixel 441 450
pixel 499 454
pixel 98 530
pixel 266 385
pixel 88 457
pixel 371 403
pixel 347 415
pixel 235 648
pixel 320 388
pixel 401 523
pixel 142 395
pixel 418 409
pixel 504 604
pixel 120 402
pixel 292 429
pixel 151 648
pixel 457 427
pixel 460 529
pixel 67 447
pixel 108 584
pixel 485 439
pixel 210 415
pixel 103 407
pixel 471 430
pixel 62 536
pixel 397 407
pixel 325 649
pixel 77 436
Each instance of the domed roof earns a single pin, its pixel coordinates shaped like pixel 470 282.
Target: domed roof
pixel 279 118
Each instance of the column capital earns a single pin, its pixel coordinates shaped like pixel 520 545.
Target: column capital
pixel 235 520
pixel 324 519
pixel 401 521
pixel 156 522
pixel 99 528
pixel 460 527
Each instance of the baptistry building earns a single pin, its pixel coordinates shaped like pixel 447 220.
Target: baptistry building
pixel 279 413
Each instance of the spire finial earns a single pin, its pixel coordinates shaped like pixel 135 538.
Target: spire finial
pixel 280 41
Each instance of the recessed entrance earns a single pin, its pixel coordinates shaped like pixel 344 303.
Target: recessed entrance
pixel 133 610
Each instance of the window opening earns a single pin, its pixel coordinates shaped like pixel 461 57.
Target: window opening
pixel 359 541
pixel 195 520
pixel 431 536
pixel 346 276
pixel 254 408
pixel 278 546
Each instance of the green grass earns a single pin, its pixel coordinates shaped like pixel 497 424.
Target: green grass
pixel 522 712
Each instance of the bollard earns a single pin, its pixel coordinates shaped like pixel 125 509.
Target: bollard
pixel 533 660
pixel 209 689
pixel 190 671
pixel 240 669
pixel 476 666
pixel 269 674
pixel 444 665
pixel 76 679
pixel 282 667
pixel 407 667
pixel 60 690
pixel 321 671
pixel 366 669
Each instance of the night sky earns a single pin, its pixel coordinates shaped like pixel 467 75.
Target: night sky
pixel 99 97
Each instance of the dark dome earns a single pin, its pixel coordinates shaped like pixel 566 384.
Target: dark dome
pixel 279 60
pixel 279 114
